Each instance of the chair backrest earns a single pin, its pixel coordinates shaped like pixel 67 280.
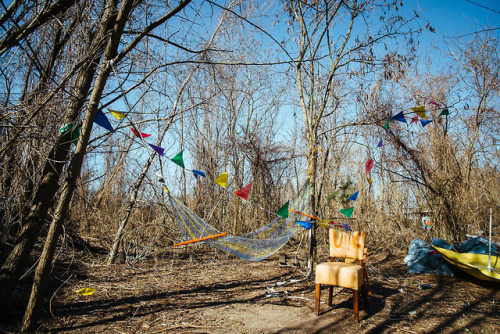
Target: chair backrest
pixel 348 245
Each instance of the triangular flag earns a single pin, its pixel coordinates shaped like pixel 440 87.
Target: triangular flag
pixel 347 212
pixel 434 103
pixel 102 120
pixel 65 128
pixel 369 180
pixel 354 196
pixel 117 114
pixel 178 159
pixel 418 109
pixel 143 135
pixel 386 126
pixel 158 149
pixel 444 112
pixel 198 173
pixel 323 223
pixel 414 120
pixel 421 114
pixel 424 122
pixel 222 180
pixel 368 166
pixel 399 117
pixel 86 291
pixel 380 143
pixel 243 192
pixel 305 224
pixel 347 228
pixel 283 211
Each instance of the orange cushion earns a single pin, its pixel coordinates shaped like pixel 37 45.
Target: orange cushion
pixel 342 274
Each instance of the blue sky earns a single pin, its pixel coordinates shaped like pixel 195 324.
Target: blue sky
pixel 452 18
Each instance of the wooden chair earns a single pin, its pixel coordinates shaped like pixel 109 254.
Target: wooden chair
pixel 351 273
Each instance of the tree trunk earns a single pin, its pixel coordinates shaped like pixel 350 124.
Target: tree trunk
pixel 110 20
pixel 17 259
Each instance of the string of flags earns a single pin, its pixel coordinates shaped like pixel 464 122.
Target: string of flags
pixel 420 115
pixel 72 132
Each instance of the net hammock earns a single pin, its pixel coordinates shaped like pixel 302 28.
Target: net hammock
pixel 253 246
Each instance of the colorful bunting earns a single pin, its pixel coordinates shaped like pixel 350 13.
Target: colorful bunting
pixel 222 180
pixel 158 149
pixel 117 114
pixel 305 224
pixel 354 196
pixel 179 161
pixel 386 126
pixel 414 120
pixel 143 135
pixel 198 173
pixel 399 117
pixel 380 143
pixel 425 122
pixel 368 166
pixel 283 211
pixel 444 112
pixel 347 212
pixel 243 192
pixel 102 120
pixel 86 291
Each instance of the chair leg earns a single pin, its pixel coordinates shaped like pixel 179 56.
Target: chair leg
pixel 367 281
pixel 355 304
pixel 318 292
pixel 330 295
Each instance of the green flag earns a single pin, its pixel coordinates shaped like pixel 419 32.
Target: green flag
pixel 444 112
pixel 178 159
pixel 347 212
pixel 283 211
pixel 386 126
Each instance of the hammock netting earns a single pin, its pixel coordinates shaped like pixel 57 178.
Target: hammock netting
pixel 253 246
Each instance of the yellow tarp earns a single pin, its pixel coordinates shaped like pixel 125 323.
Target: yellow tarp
pixel 473 264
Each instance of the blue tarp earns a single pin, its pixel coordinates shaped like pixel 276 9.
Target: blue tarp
pixel 422 258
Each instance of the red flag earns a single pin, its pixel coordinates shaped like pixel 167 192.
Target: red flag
pixel 414 120
pixel 143 135
pixel 368 166
pixel 243 192
pixel 434 103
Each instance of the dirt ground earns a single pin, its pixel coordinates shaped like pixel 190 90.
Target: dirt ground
pixel 212 292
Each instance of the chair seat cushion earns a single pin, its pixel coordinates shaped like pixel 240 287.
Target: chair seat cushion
pixel 347 275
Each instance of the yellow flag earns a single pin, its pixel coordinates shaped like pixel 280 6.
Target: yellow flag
pixel 117 114
pixel 419 108
pixel 222 180
pixel 323 223
pixel 86 291
pixel 369 180
pixel 421 114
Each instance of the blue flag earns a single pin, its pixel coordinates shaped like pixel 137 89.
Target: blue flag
pixel 399 117
pixel 354 196
pixel 305 224
pixel 102 120
pixel 425 122
pixel 198 173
